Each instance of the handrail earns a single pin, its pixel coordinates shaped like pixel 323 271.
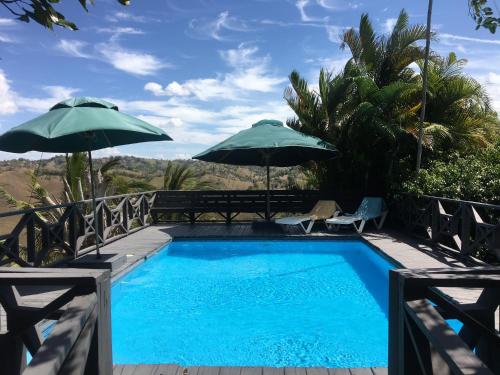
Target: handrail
pixel 471 228
pixel 70 230
pixel 444 199
pixel 420 339
pixel 79 343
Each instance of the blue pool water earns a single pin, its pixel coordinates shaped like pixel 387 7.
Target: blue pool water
pixel 266 303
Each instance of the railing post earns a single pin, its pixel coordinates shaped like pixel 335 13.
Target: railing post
pixel 125 214
pixel 72 234
pixel 12 355
pixel 100 359
pixel 31 239
pixel 435 220
pixel 465 216
pixel 396 325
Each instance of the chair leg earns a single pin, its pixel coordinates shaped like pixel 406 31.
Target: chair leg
pixel 361 226
pixel 309 226
pixel 381 222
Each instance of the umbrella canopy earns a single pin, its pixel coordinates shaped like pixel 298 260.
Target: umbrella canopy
pixel 79 124
pixel 268 142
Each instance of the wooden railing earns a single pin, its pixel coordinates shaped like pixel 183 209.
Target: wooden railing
pixel 471 228
pixel 79 302
pixel 191 205
pixel 46 235
pixel 420 340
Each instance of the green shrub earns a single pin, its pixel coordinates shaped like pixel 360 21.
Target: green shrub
pixel 475 177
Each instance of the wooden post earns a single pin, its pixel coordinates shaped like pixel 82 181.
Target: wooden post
pixel 72 231
pixel 30 239
pixel 435 220
pixel 12 355
pixel 465 228
pixel 125 214
pixel 396 325
pixel 103 290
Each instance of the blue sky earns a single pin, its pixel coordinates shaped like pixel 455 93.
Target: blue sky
pixel 204 69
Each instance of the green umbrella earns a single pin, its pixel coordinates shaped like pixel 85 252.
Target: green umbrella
pixel 80 124
pixel 268 143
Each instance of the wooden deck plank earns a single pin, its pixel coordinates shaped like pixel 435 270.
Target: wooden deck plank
pixel 127 370
pixel 230 370
pixel 273 371
pixel 145 369
pixel 338 371
pixel 316 371
pixel 361 371
pixel 251 371
pixel 167 370
pixel 379 370
pixel 295 371
pixel 208 370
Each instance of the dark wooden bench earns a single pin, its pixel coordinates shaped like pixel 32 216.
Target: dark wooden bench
pixel 229 203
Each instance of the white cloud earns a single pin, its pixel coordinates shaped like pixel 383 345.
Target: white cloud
pixel 332 5
pixel 243 55
pixel 332 64
pixel 250 73
pixel 337 4
pixel 7 97
pixel 213 29
pixel 7 22
pixel 11 102
pixel 162 122
pixel 389 24
pixel 130 61
pixel 335 33
pixel 123 16
pixel 112 52
pixel 190 123
pixel 445 36
pixel 301 6
pixel 6 39
pixel 106 152
pixel 39 105
pixel 120 30
pixel 492 84
pixel 73 48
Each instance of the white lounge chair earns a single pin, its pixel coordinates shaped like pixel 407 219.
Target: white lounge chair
pixel 322 210
pixel 371 208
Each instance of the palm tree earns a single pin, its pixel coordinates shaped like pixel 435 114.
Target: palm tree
pixel 385 58
pixel 181 177
pixel 459 104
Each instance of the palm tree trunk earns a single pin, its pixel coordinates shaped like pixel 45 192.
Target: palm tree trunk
pixel 424 86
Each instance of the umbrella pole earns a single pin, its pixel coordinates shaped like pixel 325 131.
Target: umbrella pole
pixel 94 206
pixel 268 193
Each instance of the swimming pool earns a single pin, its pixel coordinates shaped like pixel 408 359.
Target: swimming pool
pixel 254 303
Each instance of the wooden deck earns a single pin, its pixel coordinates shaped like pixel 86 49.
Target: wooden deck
pixel 202 370
pixel 143 244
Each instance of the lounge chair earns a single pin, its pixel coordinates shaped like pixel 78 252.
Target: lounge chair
pixel 371 208
pixel 322 210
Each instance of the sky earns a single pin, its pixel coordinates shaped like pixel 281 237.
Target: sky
pixel 203 70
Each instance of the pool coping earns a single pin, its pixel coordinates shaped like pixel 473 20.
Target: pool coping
pixel 129 267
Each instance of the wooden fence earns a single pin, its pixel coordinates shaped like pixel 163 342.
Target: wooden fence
pixel 46 235
pixel 420 340
pixel 472 228
pixel 228 204
pixel 79 302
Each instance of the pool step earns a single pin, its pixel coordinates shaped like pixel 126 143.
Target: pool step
pixel 106 261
